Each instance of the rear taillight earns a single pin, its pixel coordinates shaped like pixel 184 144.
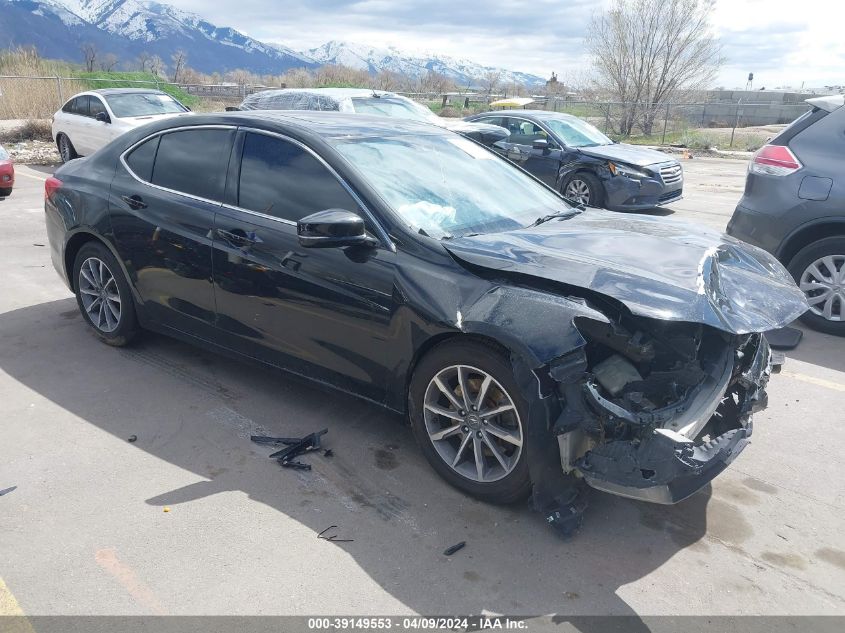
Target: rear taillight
pixel 50 186
pixel 775 160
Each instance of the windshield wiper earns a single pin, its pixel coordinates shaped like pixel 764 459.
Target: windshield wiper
pixel 564 216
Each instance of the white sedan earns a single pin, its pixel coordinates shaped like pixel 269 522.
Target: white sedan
pixel 90 120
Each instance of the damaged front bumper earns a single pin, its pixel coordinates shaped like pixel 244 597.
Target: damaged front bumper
pixel 678 450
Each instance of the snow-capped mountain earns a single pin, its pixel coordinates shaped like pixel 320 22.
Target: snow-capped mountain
pixel 127 28
pixel 374 60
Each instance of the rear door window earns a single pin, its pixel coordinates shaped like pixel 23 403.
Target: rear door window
pixel 142 158
pixel 281 179
pixel 194 162
pixel 80 105
pixel 95 106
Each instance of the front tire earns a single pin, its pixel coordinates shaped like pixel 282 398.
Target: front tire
pixel 103 295
pixel 66 149
pixel 469 418
pixel 819 270
pixel 583 188
pixel 5 192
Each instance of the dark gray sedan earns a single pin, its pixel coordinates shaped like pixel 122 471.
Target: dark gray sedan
pixel 587 167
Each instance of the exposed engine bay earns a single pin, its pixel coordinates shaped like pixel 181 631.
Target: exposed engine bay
pixel 659 404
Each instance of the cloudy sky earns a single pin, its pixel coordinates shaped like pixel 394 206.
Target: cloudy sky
pixel 782 45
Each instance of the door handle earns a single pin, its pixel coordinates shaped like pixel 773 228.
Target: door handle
pixel 237 237
pixel 135 202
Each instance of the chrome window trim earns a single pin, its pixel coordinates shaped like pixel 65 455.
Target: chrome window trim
pixel 383 236
pixel 126 152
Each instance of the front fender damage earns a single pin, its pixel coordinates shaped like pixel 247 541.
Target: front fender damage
pixel 537 326
pixel 628 405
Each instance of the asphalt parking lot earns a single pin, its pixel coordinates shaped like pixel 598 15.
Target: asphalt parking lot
pixel 192 518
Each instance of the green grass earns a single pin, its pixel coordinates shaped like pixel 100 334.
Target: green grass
pixel 127 79
pixel 702 139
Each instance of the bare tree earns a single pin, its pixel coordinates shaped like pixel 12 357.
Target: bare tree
pixel 156 65
pixel 647 53
pixel 490 81
pixel 108 62
pixel 144 61
pixel 387 80
pixel 179 59
pixel 89 55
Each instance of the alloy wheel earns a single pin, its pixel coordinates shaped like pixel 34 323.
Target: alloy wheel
pixel 577 190
pixel 473 423
pixel 823 284
pixel 100 295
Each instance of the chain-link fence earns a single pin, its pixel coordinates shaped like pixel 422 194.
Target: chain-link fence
pixel 722 124
pixel 40 97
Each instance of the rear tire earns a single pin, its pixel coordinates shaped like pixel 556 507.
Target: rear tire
pixel 103 295
pixel 584 188
pixel 66 150
pixel 500 475
pixel 819 270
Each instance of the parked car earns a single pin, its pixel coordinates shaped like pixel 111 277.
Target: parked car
pixel 7 173
pixel 587 167
pixel 526 340
pixel 90 120
pixel 794 207
pixel 366 101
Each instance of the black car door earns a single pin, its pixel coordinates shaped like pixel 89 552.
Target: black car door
pixel 323 312
pixel 162 201
pixel 519 147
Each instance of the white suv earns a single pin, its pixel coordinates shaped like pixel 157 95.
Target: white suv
pixel 90 120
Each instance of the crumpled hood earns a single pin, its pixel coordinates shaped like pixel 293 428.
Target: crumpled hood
pixel 658 268
pixel 630 154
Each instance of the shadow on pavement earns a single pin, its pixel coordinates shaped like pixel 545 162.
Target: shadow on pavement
pixel 196 410
pixel 820 349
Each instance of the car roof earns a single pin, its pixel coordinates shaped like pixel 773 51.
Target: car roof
pixel 530 114
pixel 829 103
pixel 123 91
pixel 333 93
pixel 326 124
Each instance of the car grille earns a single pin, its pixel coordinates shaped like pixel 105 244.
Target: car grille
pixel 671 174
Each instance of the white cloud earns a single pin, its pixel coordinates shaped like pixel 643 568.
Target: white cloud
pixel 783 44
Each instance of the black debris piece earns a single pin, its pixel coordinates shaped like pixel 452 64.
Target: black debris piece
pixel 294 447
pixel 333 537
pixel 8 490
pixel 132 438
pixel 328 453
pixel 455 548
pixel 296 465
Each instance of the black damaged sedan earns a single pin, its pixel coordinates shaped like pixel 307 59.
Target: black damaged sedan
pixel 534 347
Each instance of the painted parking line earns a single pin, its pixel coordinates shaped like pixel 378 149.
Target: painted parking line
pixel 18 172
pixel 820 382
pixel 17 621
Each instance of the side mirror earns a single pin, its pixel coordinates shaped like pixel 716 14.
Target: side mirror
pixel 333 228
pixel 540 143
pixel 102 117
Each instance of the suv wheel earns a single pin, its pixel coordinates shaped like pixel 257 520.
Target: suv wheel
pixel 468 416
pixel 103 296
pixel 819 270
pixel 66 149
